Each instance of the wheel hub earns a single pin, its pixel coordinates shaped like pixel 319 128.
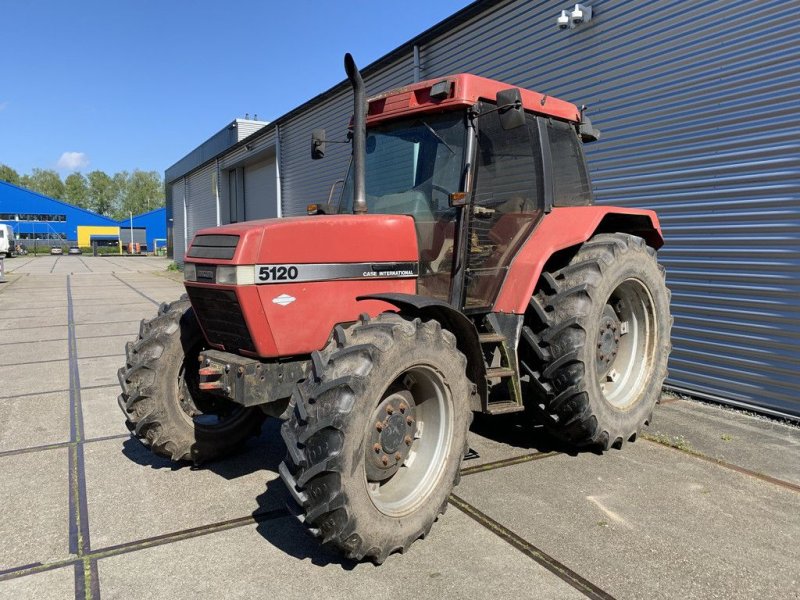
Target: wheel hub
pixel 392 430
pixel 607 340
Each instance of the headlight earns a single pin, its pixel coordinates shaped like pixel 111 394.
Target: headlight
pixel 226 275
pixel 189 272
pixel 219 274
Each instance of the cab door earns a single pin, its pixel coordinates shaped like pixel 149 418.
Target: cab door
pixel 507 201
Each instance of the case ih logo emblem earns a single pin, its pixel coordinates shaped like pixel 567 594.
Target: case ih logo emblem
pixel 284 299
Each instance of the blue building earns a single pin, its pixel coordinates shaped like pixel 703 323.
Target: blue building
pixel 34 216
pixel 149 228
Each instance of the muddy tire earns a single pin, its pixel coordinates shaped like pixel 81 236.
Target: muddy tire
pixel 162 405
pixel 595 342
pixel 377 435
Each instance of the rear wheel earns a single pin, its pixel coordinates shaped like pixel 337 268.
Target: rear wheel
pixel 160 397
pixel 596 341
pixel 377 435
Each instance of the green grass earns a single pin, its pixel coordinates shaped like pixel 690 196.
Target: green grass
pixel 673 441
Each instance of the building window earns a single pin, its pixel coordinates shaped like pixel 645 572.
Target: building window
pixel 32 217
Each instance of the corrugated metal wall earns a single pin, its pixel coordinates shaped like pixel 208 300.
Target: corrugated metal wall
pixel 176 200
pixel 697 103
pixel 201 202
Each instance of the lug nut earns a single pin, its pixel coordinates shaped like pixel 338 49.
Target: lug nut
pixel 385 460
pixel 403 408
pixel 398 457
pixel 379 426
pixel 407 440
pixel 389 409
pixel 409 420
pixel 377 448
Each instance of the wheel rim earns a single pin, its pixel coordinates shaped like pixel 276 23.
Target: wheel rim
pixel 205 411
pixel 408 441
pixel 626 343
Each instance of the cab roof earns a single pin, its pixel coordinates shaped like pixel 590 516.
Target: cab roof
pixel 456 91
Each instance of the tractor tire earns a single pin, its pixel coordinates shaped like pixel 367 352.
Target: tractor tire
pixel 595 342
pixel 162 404
pixel 377 435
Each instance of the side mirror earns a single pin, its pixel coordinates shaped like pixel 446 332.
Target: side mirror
pixel 317 144
pixel 509 107
pixel 587 131
pixel 321 209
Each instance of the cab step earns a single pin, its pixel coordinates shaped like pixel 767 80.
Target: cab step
pixel 491 338
pixel 502 408
pixel 499 372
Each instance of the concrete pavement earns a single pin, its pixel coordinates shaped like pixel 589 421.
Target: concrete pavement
pixel 707 506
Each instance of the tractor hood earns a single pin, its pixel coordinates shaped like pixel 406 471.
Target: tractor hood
pixel 278 287
pixel 308 240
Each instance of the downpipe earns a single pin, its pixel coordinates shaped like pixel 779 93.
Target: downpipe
pixel 359 135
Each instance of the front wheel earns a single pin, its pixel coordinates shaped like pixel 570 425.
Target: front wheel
pixel 596 340
pixel 161 399
pixel 378 433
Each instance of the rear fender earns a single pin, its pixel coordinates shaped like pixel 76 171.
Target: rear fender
pixel 424 307
pixel 564 228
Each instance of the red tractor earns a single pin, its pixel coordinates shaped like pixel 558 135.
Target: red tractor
pixel 464 270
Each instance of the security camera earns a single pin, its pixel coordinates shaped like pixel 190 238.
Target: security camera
pixel 564 21
pixel 580 14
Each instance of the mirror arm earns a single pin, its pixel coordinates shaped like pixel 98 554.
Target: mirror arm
pixel 475 114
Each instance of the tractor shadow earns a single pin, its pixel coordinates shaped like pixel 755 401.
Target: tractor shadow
pixel 264 452
pixel 273 520
pixel 288 534
pixel 519 432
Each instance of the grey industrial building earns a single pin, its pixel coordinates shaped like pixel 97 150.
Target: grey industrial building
pixel 698 106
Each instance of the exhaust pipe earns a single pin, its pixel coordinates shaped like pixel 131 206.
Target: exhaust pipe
pixel 359 135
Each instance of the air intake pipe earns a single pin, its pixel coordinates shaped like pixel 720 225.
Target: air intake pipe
pixel 359 135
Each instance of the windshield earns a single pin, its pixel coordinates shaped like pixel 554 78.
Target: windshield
pixel 412 166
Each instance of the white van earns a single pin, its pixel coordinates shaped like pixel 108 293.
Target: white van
pixel 8 244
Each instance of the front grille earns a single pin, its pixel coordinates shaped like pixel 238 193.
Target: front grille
pixel 213 246
pixel 221 317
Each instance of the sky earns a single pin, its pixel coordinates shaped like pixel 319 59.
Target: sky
pixel 119 85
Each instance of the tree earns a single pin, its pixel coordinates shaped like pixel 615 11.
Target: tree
pixel 8 174
pixel 77 190
pixel 45 181
pixel 144 192
pixel 102 192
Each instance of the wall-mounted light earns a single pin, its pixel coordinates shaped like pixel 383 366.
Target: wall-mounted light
pixel 570 19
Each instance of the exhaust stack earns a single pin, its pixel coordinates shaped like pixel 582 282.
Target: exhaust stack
pixel 359 135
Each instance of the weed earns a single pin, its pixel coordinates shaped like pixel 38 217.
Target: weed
pixel 726 437
pixel 676 441
pixel 173 266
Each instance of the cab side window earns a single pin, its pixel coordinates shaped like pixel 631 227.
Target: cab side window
pixel 570 176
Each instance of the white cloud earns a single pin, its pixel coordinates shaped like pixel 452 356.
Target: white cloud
pixel 73 161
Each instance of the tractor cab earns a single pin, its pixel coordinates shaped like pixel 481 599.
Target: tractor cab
pixel 472 162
